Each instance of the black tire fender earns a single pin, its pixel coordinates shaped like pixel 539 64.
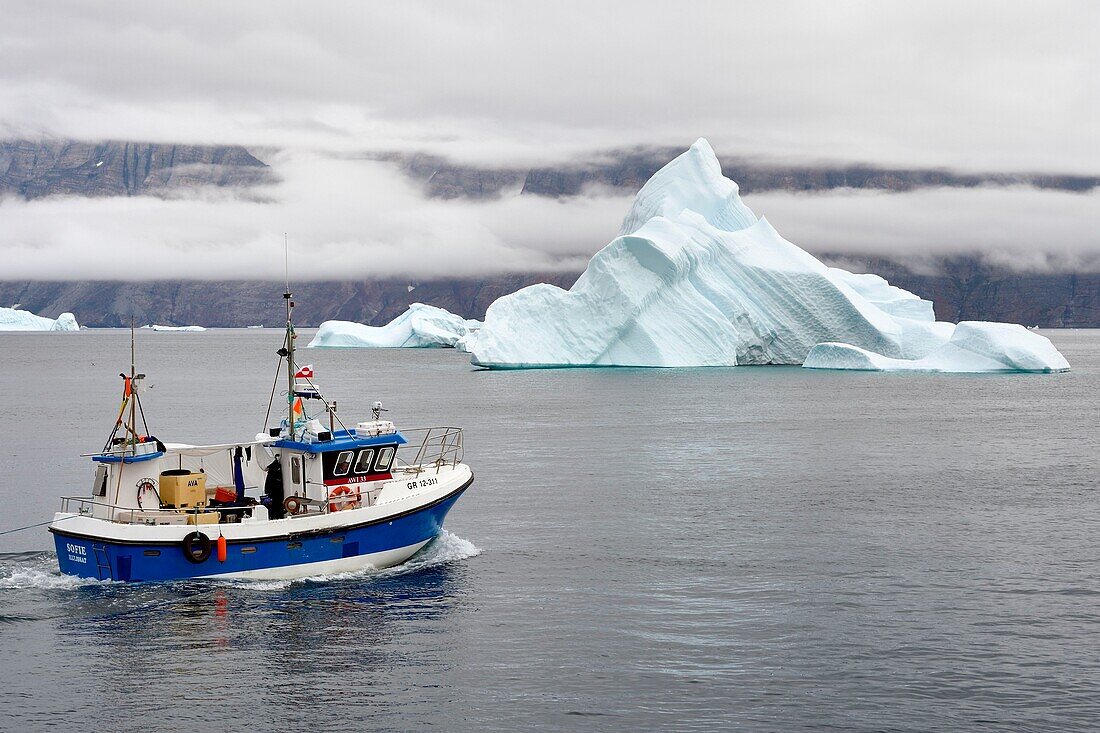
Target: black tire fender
pixel 197 547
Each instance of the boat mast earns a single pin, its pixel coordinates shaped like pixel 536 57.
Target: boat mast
pixel 132 396
pixel 289 341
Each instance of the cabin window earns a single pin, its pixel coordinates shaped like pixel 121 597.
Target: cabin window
pixel 385 458
pixel 343 463
pixel 365 458
pixel 99 487
pixel 295 470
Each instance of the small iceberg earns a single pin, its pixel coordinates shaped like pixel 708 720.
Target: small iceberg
pixel 158 327
pixel 466 343
pixel 974 347
pixel 421 326
pixel 696 279
pixel 14 319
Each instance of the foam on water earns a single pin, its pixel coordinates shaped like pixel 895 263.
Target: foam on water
pixel 38 571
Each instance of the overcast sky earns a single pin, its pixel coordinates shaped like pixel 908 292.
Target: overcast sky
pixel 972 86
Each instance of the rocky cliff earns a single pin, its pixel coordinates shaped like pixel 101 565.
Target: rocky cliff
pixel 626 171
pixel 965 289
pixel 33 169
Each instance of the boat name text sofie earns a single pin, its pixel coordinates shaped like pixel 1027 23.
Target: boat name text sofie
pixel 77 553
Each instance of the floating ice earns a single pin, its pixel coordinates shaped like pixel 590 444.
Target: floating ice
pixel 974 346
pixel 158 327
pixel 421 326
pixel 695 279
pixel 13 319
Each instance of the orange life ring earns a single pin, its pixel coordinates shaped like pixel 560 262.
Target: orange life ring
pixel 349 503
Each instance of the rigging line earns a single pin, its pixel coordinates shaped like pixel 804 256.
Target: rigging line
pixel 142 411
pixel 121 412
pixel 274 384
pixel 40 524
pixel 323 399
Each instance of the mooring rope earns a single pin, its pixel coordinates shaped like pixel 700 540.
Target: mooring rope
pixel 40 524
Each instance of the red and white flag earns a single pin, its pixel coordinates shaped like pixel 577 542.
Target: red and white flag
pixel 305 372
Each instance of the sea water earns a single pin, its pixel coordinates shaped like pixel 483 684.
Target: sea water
pixel 712 549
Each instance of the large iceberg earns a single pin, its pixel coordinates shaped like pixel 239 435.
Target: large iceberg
pixel 13 319
pixel 974 346
pixel 696 279
pixel 421 326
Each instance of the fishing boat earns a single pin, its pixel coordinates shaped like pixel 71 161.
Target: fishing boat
pixel 307 497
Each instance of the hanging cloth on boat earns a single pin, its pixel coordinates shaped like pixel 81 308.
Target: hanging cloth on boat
pixel 238 474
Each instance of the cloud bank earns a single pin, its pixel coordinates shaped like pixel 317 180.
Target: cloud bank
pixel 355 219
pixel 990 86
pixel 346 219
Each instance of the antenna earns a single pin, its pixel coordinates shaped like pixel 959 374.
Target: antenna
pixel 286 261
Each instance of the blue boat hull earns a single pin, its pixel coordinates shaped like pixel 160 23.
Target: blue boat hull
pixel 106 560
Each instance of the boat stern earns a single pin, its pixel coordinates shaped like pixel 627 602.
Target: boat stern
pixel 78 555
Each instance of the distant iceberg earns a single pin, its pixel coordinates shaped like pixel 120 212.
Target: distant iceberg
pixel 421 326
pixel 13 319
pixel 696 279
pixel 158 327
pixel 974 346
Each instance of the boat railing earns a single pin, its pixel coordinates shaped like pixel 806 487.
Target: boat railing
pixel 440 447
pixel 84 506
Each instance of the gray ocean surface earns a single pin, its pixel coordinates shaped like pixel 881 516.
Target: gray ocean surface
pixel 770 549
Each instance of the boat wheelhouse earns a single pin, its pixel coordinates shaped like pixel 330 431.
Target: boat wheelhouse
pixel 309 496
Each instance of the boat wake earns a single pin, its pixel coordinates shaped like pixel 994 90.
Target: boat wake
pixel 443 550
pixel 38 571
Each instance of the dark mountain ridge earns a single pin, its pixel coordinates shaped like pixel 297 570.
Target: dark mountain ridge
pixel 39 168
pixel 962 289
pixel 628 170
